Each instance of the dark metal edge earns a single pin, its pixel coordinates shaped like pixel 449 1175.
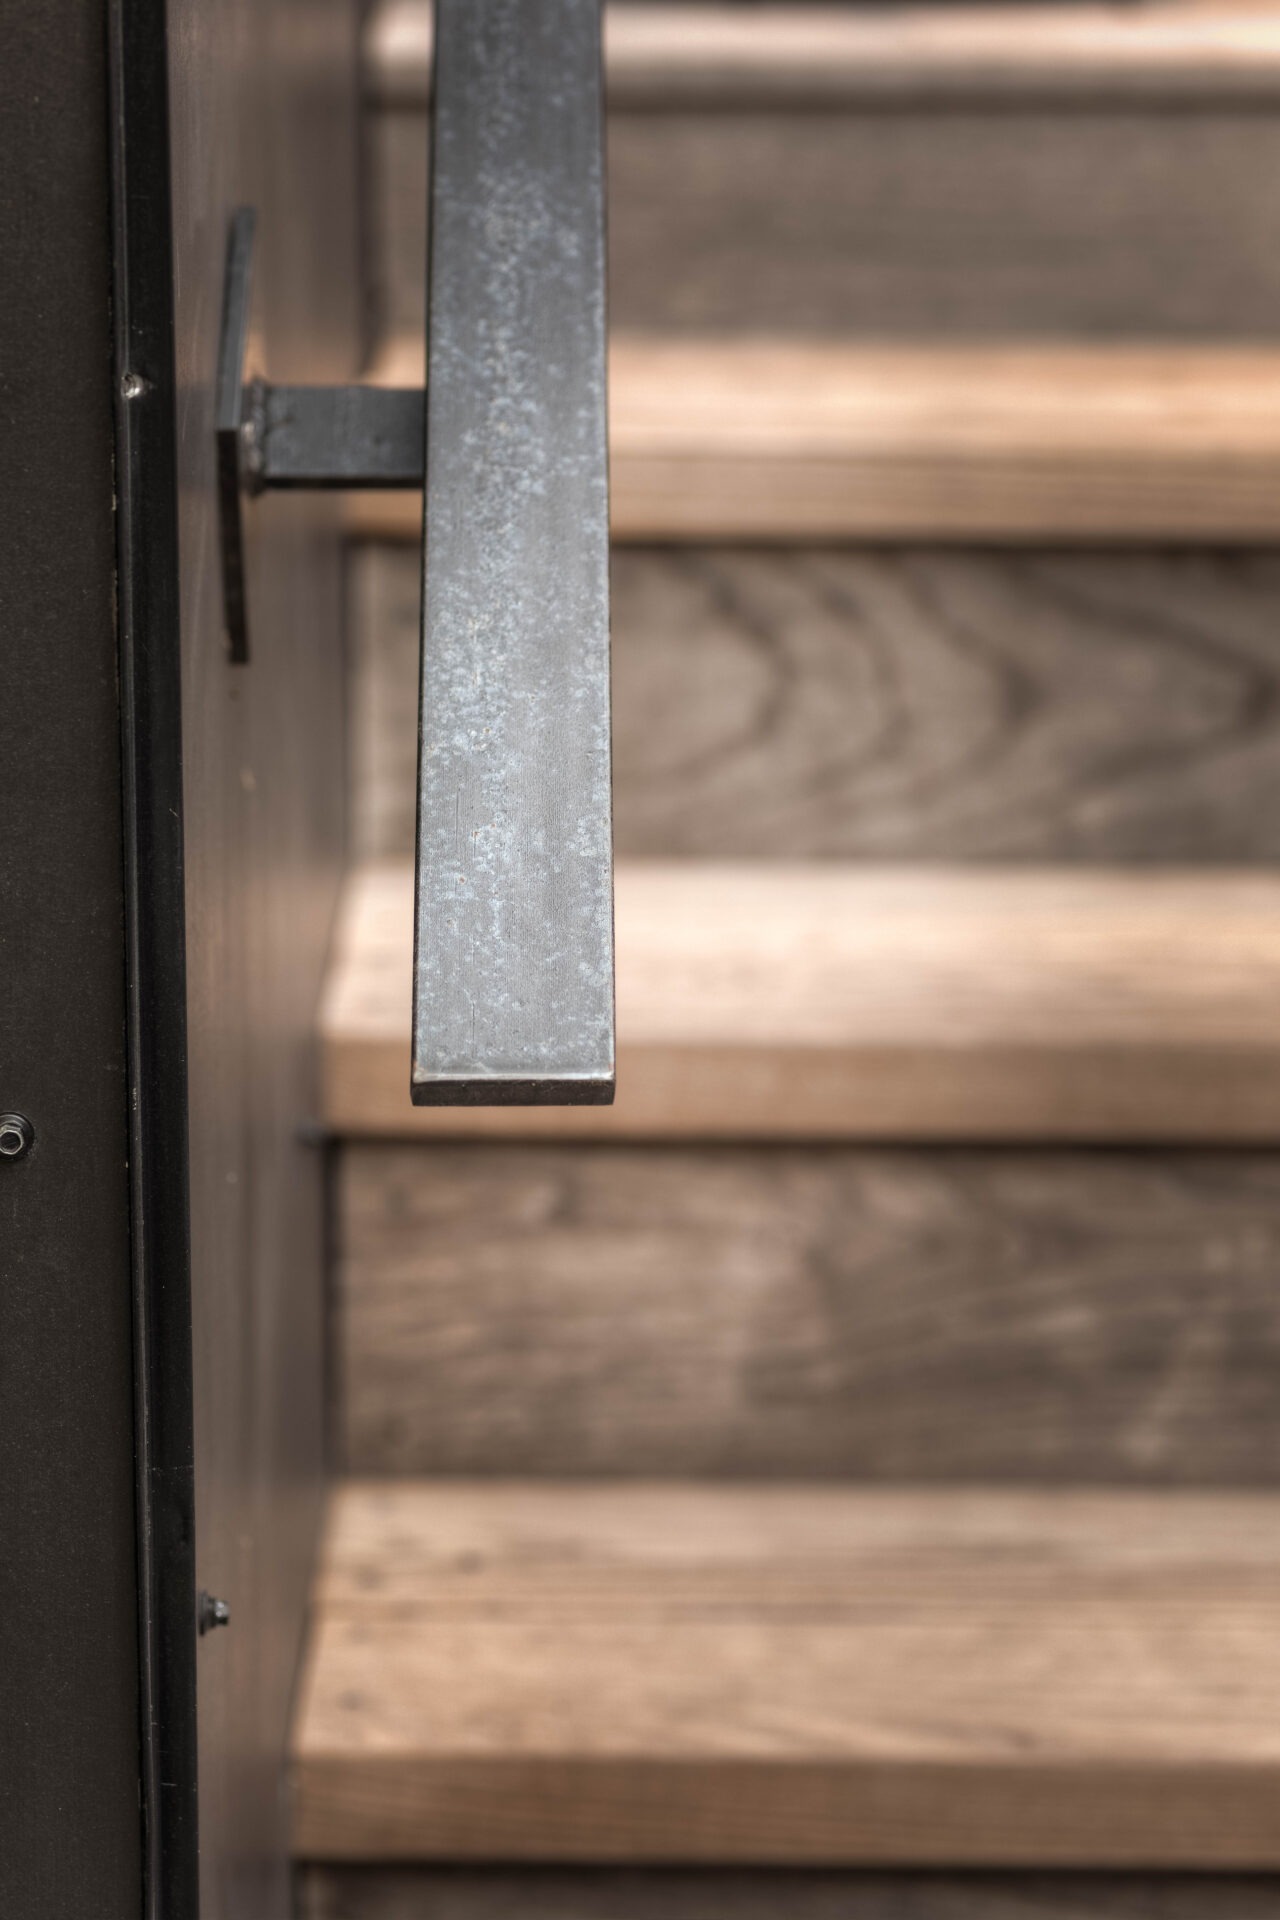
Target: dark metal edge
pixel 151 707
pixel 228 400
pixel 493 1091
pixel 422 610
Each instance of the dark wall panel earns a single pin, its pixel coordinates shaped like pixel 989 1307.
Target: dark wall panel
pixel 69 1819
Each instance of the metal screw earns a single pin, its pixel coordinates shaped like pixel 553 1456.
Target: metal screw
pixel 211 1612
pixel 17 1135
pixel 253 436
pixel 132 386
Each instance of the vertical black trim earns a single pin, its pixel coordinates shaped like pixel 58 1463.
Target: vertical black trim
pixel 151 706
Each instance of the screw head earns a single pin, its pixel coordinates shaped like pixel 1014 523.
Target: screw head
pixel 211 1612
pixel 17 1136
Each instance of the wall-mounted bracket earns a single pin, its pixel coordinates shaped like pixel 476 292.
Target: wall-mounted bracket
pixel 513 958
pixel 272 437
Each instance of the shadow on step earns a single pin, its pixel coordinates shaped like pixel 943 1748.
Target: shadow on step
pixel 387 1893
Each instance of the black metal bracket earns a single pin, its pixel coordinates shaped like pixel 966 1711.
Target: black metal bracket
pixel 275 437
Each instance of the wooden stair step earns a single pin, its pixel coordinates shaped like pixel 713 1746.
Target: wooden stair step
pixel 770 439
pixel 782 56
pixel 937 704
pixel 792 1675
pixel 1078 171
pixel 847 1002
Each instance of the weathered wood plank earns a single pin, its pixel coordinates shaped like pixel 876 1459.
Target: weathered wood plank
pixel 901 219
pixel 662 56
pixel 803 1312
pixel 770 440
pixel 847 1002
pixel 652 1893
pixel 919 705
pixel 685 1673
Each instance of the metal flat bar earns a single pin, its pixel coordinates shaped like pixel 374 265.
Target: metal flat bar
pixel 341 437
pixel 513 971
pixel 228 403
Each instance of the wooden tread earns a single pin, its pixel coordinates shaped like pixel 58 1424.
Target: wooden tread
pixel 793 1675
pixel 911 1314
pixel 766 439
pixel 847 1002
pixel 783 56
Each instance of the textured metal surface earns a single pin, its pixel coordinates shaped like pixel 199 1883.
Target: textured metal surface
pixel 341 437
pixel 291 437
pixel 513 987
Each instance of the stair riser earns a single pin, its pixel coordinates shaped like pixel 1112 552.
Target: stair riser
pixel 921 1315
pixel 925 704
pixel 963 221
pixel 374 1893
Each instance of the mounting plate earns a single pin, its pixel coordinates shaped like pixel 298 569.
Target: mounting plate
pixel 274 437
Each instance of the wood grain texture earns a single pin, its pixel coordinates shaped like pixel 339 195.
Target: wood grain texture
pixel 806 1313
pixel 767 439
pixel 602 1893
pixel 683 1673
pixel 786 56
pixel 907 219
pixel 846 1002
pixel 927 704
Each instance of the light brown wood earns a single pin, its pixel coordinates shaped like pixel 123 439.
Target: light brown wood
pixel 262 852
pixel 841 1002
pixel 914 1314
pixel 934 704
pixel 775 440
pixel 1122 222
pixel 802 55
pixel 793 1675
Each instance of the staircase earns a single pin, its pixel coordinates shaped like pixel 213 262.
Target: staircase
pixel 843 1478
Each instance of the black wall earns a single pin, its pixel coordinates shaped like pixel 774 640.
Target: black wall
pixel 69 1787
